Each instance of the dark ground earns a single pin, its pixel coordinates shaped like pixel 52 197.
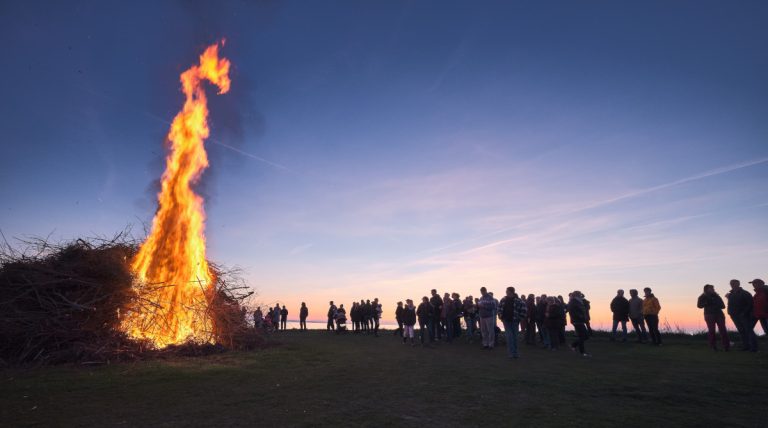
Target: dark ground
pixel 320 379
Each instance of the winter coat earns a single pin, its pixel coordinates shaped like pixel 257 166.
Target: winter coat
pixel 303 313
pixel 620 308
pixel 486 306
pixel 424 312
pixel 409 316
pixel 437 306
pixel 577 310
pixel 635 308
pixel 761 302
pixel 651 305
pixel 555 316
pixel 740 303
pixel 711 303
pixel 399 314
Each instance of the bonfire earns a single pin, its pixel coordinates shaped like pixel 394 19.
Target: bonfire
pixel 116 299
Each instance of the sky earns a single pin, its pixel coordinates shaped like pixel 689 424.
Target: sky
pixel 385 148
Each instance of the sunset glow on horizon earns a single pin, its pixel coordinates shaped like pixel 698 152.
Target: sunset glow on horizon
pixel 380 150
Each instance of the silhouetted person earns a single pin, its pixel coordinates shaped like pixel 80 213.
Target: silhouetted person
pixel 760 300
pixel 486 308
pixel 588 307
pixel 561 332
pixel 555 317
pixel 530 330
pixel 447 317
pixel 713 307
pixel 511 311
pixel 541 315
pixel 741 309
pixel 424 313
pixel 620 309
pixel 651 309
pixel 341 318
pixel 283 318
pixel 636 316
pixel 331 317
pixel 303 314
pixel 409 320
pixel 276 317
pixel 258 318
pixel 437 310
pixel 578 313
pixel 399 318
pixel 457 314
pixel 376 306
pixel 470 311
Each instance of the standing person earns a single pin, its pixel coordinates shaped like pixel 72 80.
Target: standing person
pixel 409 320
pixel 303 314
pixel 541 315
pixel 741 309
pixel 760 299
pixel 449 312
pixel 620 309
pixel 341 318
pixel 530 319
pixel 437 311
pixel 468 307
pixel 651 309
pixel 283 318
pixel 636 316
pixel 331 317
pixel 399 319
pixel 457 314
pixel 354 316
pixel 713 307
pixel 376 306
pixel 555 316
pixel 588 307
pixel 424 313
pixel 578 312
pixel 561 332
pixel 511 311
pixel 276 317
pixel 258 318
pixel 486 307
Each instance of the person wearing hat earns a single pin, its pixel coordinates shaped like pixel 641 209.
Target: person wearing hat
pixel 741 309
pixel 760 303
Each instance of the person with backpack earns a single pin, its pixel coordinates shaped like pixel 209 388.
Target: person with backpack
pixel 713 307
pixel 512 310
pixel 651 309
pixel 578 313
pixel 303 314
pixel 331 326
pixel 409 320
pixel 620 310
pixel 760 299
pixel 741 309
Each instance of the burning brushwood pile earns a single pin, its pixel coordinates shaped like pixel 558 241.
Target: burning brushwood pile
pixel 101 300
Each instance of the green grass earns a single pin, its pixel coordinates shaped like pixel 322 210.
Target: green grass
pixel 318 379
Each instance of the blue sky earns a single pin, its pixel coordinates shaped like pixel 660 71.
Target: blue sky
pixel 386 148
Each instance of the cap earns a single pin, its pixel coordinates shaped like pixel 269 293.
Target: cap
pixel 757 281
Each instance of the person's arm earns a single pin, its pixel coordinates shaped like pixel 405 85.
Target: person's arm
pixel 702 301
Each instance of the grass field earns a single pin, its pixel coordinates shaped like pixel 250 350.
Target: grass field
pixel 320 379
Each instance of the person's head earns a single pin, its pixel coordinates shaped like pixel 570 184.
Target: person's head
pixel 400 303
pixel 648 292
pixel 331 303
pixel 633 292
pixel 483 291
pixel 341 306
pixel 544 297
pixel 303 304
pixel 409 302
pixel 735 284
pixel 283 306
pixel 531 297
pixel 425 299
pixel 577 294
pixel 510 291
pixel 620 293
pixel 434 292
pixel 709 289
pixel 757 283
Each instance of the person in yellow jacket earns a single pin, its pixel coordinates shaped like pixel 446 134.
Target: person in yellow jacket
pixel 651 308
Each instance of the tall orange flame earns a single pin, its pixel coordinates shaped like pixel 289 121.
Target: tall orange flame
pixel 173 258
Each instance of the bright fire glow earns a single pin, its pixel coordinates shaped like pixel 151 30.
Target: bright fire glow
pixel 173 258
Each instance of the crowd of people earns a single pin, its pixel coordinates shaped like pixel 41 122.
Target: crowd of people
pixel 536 319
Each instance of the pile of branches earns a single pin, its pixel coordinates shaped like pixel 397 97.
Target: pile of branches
pixel 62 303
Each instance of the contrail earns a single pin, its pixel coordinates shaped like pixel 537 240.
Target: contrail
pixel 706 174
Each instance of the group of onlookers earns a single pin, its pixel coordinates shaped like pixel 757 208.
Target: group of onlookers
pixel 275 319
pixel 640 312
pixel 745 310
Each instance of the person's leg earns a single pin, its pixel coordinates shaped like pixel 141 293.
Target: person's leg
pixel 545 336
pixel 553 340
pixel 750 323
pixel 742 335
pixel 720 321
pixel 484 327
pixel 449 330
pixel 711 321
pixel 624 330
pixel 613 330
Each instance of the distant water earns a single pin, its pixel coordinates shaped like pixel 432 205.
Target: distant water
pixel 320 325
